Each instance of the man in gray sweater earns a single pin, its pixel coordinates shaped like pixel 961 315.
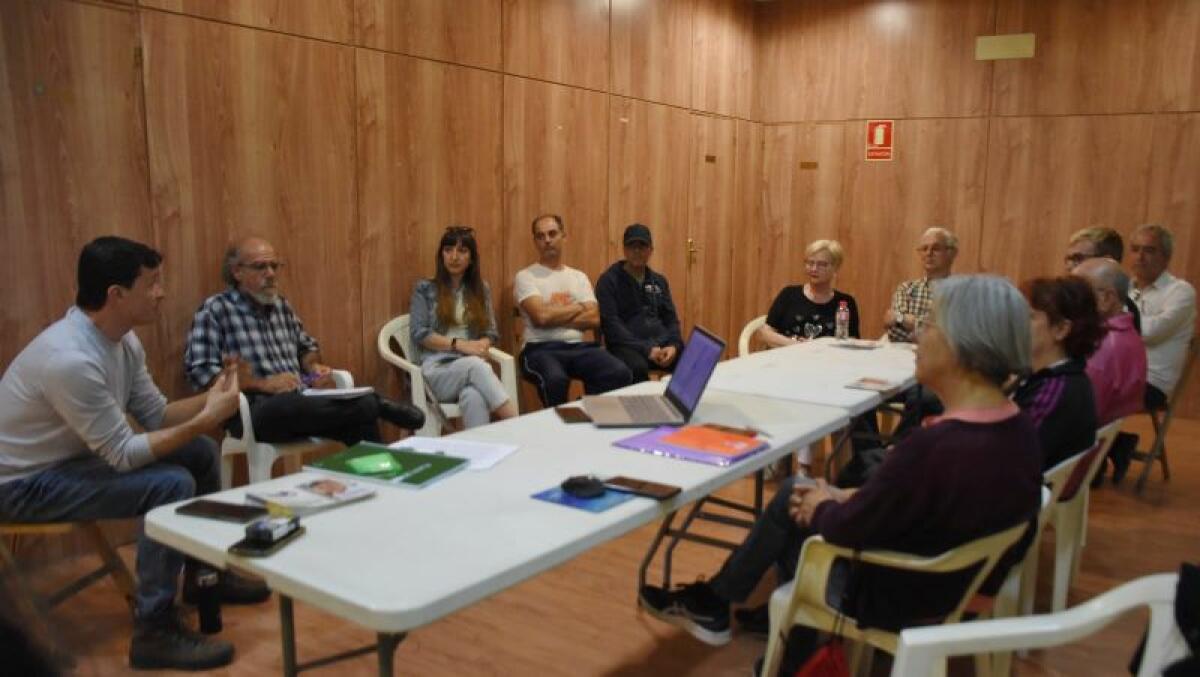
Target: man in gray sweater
pixel 68 452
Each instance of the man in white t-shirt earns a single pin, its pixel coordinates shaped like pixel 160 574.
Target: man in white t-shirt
pixel 558 305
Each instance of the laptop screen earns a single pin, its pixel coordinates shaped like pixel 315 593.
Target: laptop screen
pixel 696 364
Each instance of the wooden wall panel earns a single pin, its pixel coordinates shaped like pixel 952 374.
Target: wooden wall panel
pixel 723 57
pixel 72 167
pixel 713 223
pixel 1173 201
pixel 1098 57
pixel 648 177
pixel 461 31
pixel 1180 66
pixel 72 156
pixel 325 19
pixel 429 156
pixel 558 40
pixel 555 160
pixel 1048 177
pixel 253 133
pixel 652 50
pixel 802 199
pixel 748 298
pixel 852 60
pixel 937 179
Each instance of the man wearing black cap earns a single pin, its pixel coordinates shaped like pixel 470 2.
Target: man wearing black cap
pixel 637 314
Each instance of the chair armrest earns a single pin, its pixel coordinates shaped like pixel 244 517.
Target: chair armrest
pixel 415 377
pixel 248 437
pixel 508 373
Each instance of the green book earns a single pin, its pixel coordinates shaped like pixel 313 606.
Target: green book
pixel 397 467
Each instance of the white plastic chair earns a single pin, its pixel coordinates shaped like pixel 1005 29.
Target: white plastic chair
pixel 1070 516
pixel 923 651
pixel 398 329
pixel 801 601
pixel 1015 596
pixel 748 333
pixel 260 456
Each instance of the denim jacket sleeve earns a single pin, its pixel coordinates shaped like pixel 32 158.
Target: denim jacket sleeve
pixel 491 331
pixel 422 316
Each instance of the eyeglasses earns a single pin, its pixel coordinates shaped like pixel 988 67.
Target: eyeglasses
pixel 262 266
pixel 932 249
pixel 819 265
pixel 1075 259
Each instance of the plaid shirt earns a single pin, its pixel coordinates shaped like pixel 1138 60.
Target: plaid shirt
pixel 270 338
pixel 912 297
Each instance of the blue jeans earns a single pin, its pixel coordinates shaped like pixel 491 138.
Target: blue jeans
pixel 87 488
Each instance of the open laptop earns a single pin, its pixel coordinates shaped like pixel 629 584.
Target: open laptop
pixel 675 407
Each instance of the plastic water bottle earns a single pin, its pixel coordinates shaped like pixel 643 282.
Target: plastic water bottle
pixel 842 321
pixel 208 601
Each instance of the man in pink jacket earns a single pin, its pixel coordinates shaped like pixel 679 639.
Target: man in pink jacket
pixel 1118 367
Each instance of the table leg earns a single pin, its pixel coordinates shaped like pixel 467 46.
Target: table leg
pixel 287 628
pixel 386 644
pixel 842 440
pixel 758 489
pixel 675 536
pixel 650 552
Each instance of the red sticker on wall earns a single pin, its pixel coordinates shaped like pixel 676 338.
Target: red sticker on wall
pixel 880 139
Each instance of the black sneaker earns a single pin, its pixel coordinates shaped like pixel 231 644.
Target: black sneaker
pixel 755 621
pixel 233 589
pixel 695 608
pixel 166 643
pixel 1122 455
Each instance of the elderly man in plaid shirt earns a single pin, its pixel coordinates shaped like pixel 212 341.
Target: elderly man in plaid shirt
pixel 251 320
pixel 912 298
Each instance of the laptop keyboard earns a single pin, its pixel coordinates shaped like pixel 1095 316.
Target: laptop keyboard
pixel 647 408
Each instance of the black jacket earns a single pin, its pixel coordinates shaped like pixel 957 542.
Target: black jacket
pixel 642 315
pixel 1059 399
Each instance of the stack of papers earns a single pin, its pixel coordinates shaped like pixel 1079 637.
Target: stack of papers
pixel 480 455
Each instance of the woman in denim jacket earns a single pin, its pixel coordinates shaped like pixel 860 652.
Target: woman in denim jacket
pixel 453 326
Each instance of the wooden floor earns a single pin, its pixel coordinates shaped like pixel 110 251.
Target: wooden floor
pixel 582 619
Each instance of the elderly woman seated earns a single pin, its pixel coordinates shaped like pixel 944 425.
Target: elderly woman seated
pixel 974 471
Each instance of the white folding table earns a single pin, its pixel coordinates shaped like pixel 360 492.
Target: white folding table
pixel 819 372
pixel 406 558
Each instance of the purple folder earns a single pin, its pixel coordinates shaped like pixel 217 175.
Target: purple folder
pixel 650 442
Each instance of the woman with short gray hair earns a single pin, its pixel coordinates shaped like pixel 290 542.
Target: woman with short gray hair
pixel 971 472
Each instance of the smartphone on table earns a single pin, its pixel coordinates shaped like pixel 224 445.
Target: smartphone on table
pixel 645 488
pixel 238 513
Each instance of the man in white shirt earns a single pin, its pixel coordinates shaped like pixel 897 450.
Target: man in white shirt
pixel 558 305
pixel 1168 308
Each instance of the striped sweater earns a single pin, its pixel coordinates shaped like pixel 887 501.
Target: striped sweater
pixel 1059 400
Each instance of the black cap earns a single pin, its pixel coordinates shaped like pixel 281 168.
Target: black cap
pixel 636 232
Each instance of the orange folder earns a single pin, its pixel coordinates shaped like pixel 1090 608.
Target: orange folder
pixel 711 440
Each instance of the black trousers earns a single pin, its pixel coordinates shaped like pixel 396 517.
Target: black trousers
pixel 550 365
pixel 638 362
pixel 286 417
